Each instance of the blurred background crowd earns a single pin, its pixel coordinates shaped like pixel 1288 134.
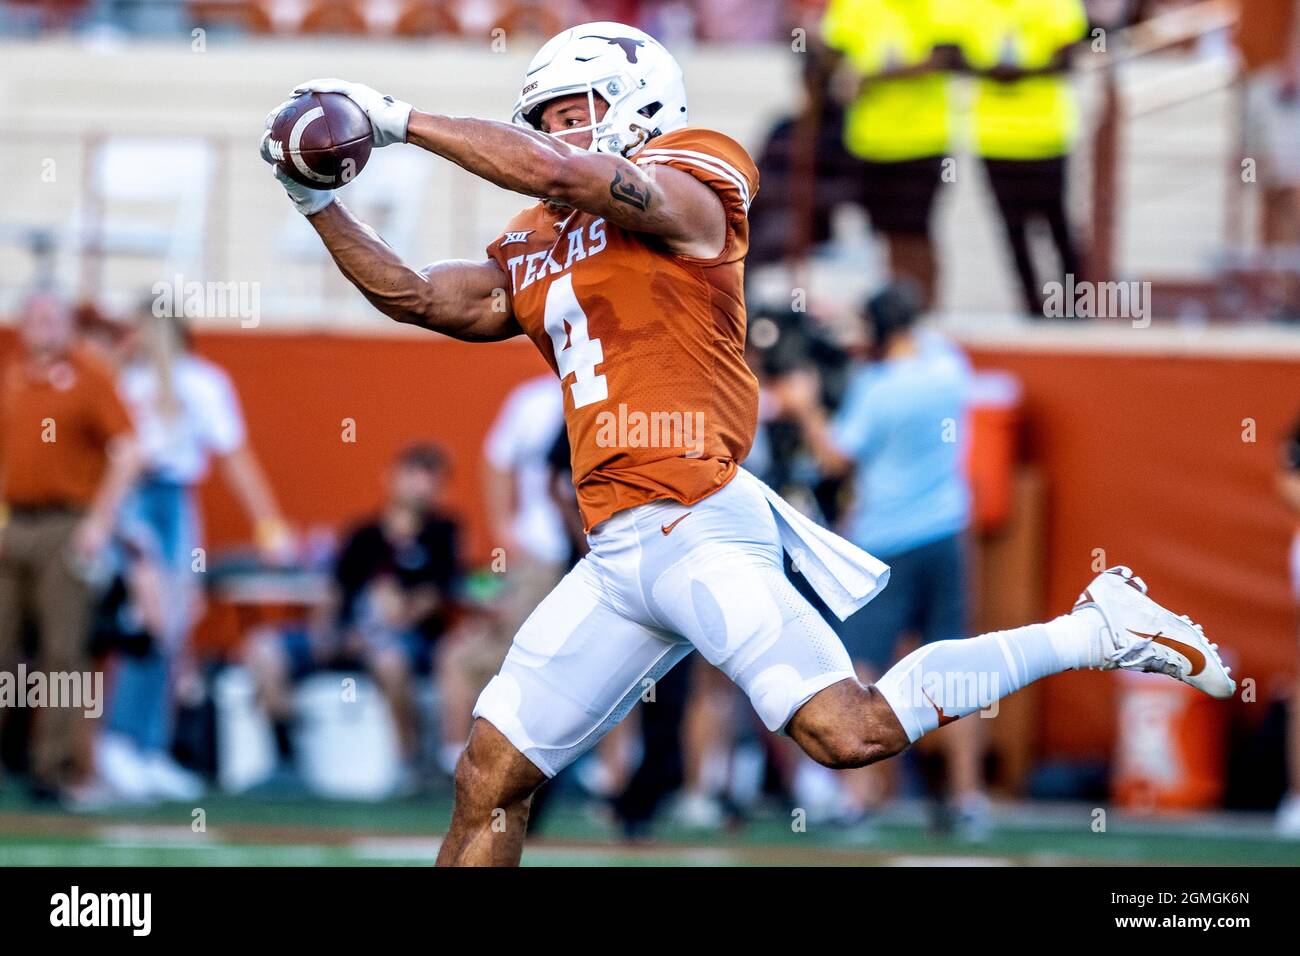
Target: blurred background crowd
pixel 1023 290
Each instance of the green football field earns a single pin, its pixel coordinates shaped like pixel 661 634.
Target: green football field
pixel 248 831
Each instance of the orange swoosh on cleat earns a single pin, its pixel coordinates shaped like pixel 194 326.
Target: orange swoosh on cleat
pixel 1196 658
pixel 668 528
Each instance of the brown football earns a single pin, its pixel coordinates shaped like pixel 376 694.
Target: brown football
pixel 321 140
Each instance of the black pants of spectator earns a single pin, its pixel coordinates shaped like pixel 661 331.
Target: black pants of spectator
pixel 1028 190
pixel 661 769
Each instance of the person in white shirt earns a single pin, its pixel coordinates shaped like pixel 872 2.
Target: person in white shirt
pixel 528 543
pixel 187 415
pixel 517 471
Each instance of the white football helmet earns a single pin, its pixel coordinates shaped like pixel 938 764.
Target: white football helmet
pixel 626 67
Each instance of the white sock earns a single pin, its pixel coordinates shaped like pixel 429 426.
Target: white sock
pixel 940 682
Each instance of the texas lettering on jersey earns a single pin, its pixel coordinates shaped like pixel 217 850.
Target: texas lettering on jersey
pixel 649 346
pixel 574 246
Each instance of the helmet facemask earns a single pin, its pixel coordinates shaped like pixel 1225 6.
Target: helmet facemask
pixel 597 128
pixel 606 135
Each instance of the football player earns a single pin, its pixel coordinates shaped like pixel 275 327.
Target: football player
pixel 627 275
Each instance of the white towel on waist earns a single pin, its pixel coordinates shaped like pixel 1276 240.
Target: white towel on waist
pixel 842 574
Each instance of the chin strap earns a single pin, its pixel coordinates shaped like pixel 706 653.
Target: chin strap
pixel 643 136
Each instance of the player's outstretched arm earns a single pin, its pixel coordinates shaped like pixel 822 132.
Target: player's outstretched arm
pixel 669 203
pixel 463 299
pixel 686 214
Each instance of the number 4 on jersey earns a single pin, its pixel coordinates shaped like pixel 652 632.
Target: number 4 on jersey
pixel 566 324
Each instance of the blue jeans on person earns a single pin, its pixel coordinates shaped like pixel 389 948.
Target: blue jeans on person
pixel 163 517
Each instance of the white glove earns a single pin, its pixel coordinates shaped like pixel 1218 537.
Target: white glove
pixel 388 117
pixel 306 201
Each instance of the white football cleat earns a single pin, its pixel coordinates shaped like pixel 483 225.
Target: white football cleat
pixel 1140 635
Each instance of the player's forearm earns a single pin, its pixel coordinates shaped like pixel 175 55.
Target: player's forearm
pixel 365 260
pixel 601 184
pixel 514 158
pixel 442 297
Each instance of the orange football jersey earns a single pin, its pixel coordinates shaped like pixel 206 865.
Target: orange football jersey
pixel 649 346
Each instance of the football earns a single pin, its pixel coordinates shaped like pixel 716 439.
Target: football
pixel 321 140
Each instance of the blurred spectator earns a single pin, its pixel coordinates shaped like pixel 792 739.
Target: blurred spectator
pixel 526 524
pixel 560 485
pixel 806 172
pixel 67 460
pixel 740 21
pixel 528 540
pixel 186 413
pixel 690 731
pixel 620 11
pixel 1288 816
pixel 899 121
pixel 900 433
pixel 635 792
pixel 671 22
pixel 658 721
pixel 782 342
pixel 1025 120
pixel 536 18
pixel 393 581
pixel 709 728
pixel 661 770
pixel 1269 38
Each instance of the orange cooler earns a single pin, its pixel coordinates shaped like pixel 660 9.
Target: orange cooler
pixel 995 418
pixel 1170 746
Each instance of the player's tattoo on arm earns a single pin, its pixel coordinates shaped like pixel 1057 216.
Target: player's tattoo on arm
pixel 627 191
